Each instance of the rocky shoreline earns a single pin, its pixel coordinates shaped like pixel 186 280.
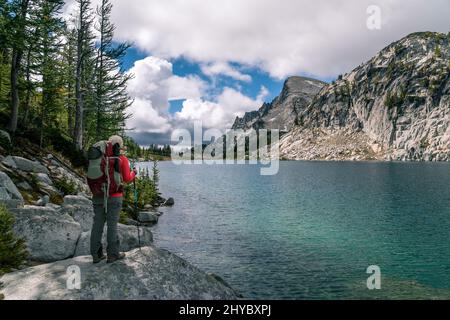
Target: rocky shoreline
pixel 56 229
pixel 146 274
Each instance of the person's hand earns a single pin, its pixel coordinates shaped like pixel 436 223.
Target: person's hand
pixel 135 171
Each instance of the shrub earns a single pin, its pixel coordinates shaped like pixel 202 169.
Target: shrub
pixel 13 251
pixel 67 187
pixel 424 143
pixel 438 52
pixel 146 188
pixel 123 217
pixel 395 99
pixel 56 198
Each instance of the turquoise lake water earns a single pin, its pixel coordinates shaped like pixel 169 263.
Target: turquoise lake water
pixel 311 231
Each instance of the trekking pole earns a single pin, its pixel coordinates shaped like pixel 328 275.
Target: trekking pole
pixel 136 212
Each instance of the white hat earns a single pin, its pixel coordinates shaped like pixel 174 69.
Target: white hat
pixel 116 139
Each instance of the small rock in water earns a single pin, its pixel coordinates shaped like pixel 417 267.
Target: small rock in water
pixel 147 217
pixel 169 202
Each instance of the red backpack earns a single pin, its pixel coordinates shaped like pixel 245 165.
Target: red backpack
pixel 104 174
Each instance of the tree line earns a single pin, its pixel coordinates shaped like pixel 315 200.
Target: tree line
pixel 62 74
pixel 153 151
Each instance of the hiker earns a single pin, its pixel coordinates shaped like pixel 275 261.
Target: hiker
pixel 107 206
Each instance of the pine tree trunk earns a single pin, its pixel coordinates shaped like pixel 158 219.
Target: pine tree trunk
pixel 79 109
pixel 29 89
pixel 15 66
pixel 70 126
pixel 78 132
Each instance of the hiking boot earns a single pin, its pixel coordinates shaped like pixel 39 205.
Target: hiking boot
pixel 114 258
pixel 98 258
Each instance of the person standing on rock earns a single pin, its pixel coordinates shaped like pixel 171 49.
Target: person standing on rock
pixel 107 208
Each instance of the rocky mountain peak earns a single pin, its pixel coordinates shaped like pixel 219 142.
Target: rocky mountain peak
pixel 282 112
pixel 300 85
pixel 395 106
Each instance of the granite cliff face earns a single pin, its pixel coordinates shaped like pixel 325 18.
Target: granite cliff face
pixel 283 111
pixel 394 107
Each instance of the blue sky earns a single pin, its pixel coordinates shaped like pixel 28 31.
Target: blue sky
pixel 183 67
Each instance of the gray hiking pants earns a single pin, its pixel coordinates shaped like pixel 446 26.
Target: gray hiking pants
pixel 111 217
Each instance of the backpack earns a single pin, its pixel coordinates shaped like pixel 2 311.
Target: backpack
pixel 104 174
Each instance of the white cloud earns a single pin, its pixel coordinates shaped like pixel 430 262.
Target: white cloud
pixel 223 68
pixel 146 118
pixel 189 87
pixel 152 87
pixel 219 114
pixel 322 37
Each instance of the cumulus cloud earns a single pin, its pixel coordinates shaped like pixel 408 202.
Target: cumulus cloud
pixel 189 87
pixel 219 114
pixel 145 118
pixel 321 38
pixel 224 69
pixel 152 87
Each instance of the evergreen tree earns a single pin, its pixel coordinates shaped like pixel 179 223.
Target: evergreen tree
pixel 66 85
pixel 17 28
pixel 85 40
pixel 30 61
pixel 111 98
pixel 49 66
pixel 4 52
pixel 155 175
pixel 12 250
pixel 69 55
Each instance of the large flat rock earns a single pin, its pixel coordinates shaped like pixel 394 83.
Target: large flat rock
pixel 50 235
pixel 150 274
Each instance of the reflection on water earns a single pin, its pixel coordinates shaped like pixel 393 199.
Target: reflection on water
pixel 312 230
